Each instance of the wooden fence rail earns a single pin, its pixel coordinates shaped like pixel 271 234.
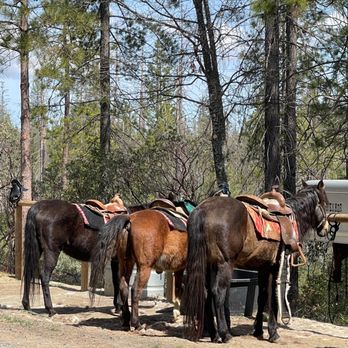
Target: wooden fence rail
pixel 20 218
pixel 338 217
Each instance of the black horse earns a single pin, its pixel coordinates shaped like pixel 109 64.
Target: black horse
pixel 53 226
pixel 222 236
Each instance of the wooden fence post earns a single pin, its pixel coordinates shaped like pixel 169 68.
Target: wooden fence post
pixel 170 286
pixel 84 276
pixel 18 243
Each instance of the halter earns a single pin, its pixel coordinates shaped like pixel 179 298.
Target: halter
pixel 322 211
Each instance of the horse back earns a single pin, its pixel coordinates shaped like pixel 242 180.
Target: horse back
pixel 61 227
pixel 152 237
pixel 222 223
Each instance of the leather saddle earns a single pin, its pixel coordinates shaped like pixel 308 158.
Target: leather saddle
pixel 114 206
pixel 175 215
pixel 271 205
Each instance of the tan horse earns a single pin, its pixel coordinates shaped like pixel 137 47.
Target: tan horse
pixel 145 239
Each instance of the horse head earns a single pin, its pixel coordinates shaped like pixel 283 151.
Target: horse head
pixel 320 216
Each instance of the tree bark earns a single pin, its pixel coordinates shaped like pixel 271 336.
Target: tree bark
pixel 42 136
pixel 272 117
pixel 26 173
pixel 210 68
pixel 66 132
pixel 105 77
pixel 290 122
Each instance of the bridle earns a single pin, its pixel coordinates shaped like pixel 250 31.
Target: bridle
pixel 319 209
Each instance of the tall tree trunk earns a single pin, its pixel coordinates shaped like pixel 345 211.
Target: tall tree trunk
pixel 26 173
pixel 105 77
pixel 210 68
pixel 66 120
pixel 66 134
pixel 42 135
pixel 290 100
pixel 272 120
pixel 290 129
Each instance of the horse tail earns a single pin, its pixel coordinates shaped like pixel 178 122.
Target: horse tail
pixel 111 237
pixel 194 293
pixel 32 253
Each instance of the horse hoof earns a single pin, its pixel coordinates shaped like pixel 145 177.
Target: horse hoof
pixel 274 338
pixel 258 335
pixel 217 339
pixel 176 315
pixel 227 338
pixel 52 313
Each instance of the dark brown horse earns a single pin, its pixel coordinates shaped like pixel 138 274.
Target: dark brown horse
pixel 221 237
pixel 53 226
pixel 147 240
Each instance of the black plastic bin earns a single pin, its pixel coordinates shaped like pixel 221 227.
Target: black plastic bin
pixel 243 292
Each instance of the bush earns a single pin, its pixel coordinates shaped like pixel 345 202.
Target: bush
pixel 319 298
pixel 68 270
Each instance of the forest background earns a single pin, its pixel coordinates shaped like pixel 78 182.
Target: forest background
pixel 147 98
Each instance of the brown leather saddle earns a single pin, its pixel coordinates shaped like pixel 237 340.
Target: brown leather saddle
pixel 176 215
pixel 115 206
pixel 272 206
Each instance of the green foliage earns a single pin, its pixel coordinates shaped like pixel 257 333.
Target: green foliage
pixel 268 6
pixel 68 270
pixel 9 169
pixel 319 298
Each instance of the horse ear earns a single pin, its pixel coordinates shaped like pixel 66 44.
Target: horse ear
pixel 321 184
pixel 304 184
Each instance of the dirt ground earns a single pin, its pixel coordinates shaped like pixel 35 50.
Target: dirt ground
pixel 79 325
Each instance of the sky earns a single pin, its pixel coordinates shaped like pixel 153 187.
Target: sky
pixel 11 82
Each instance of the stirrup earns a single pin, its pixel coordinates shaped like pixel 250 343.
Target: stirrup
pixel 304 259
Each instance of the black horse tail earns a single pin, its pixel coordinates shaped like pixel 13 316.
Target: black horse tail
pixel 112 236
pixel 32 253
pixel 194 293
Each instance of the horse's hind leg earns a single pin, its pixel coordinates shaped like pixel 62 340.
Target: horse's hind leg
pixel 126 270
pixel 116 283
pixel 50 262
pixel 178 280
pixel 140 281
pixel 221 286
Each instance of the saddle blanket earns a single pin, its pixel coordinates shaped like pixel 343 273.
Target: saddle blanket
pixel 91 217
pixel 174 221
pixel 268 229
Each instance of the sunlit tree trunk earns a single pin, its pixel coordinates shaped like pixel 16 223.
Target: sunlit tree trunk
pixel 210 69
pixel 26 172
pixel 290 123
pixel 105 77
pixel 272 117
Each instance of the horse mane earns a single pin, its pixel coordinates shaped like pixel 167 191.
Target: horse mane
pixel 303 205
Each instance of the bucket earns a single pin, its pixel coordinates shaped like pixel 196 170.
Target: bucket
pixel 153 289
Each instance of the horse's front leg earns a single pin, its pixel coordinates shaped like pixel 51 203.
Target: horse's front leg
pixel 263 279
pixel 273 308
pixel 140 281
pixel 125 272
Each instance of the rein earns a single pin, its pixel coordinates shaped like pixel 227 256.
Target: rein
pixel 288 260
